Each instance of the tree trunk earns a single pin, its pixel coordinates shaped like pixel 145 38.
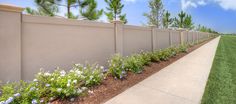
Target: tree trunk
pixel 68 11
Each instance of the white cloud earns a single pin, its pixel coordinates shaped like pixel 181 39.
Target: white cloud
pixel 201 2
pixel 188 3
pixel 227 4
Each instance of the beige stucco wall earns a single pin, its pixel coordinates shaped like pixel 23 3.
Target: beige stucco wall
pixel 162 39
pixel 175 37
pixel 185 36
pixel 190 36
pixel 50 42
pixel 195 36
pixel 10 46
pixel 136 38
pixel 28 43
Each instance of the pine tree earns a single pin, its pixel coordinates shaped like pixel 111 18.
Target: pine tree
pixel 167 20
pixel 155 15
pixel 114 10
pixel 44 8
pixel 90 12
pixel 184 21
pixel 188 23
pixel 179 22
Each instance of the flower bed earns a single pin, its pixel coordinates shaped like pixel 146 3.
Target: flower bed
pixel 77 82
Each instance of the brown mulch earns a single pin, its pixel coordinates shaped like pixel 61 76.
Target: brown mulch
pixel 110 87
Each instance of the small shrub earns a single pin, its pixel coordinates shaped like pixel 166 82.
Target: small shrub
pixel 182 48
pixel 155 57
pixel 164 54
pixel 134 63
pixel 19 93
pixel 93 74
pixel 116 67
pixel 49 86
pixel 146 57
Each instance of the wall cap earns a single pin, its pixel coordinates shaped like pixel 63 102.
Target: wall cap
pixel 117 21
pixel 10 8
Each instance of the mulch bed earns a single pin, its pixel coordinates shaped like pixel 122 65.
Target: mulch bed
pixel 110 87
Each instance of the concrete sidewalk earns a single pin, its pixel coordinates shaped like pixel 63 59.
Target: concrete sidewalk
pixel 182 82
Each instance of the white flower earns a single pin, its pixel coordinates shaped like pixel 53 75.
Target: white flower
pixel 77 65
pixel 59 89
pixel 69 80
pixel 47 74
pixel 68 85
pixel 74 81
pixel 52 98
pixel 39 73
pixel 72 99
pixel 35 80
pixel 63 73
pixel 52 79
pixel 84 88
pixel 41 101
pixel 91 77
pixel 85 68
pixel 47 85
pixel 34 101
pixel 17 95
pixel 101 67
pixel 79 91
pixel 91 92
pixel 78 72
pixel 72 71
pixel 9 100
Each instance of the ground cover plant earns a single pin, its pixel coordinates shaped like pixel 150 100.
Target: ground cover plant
pixel 61 84
pixel 221 85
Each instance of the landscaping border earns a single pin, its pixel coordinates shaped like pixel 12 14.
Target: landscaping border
pixel 111 87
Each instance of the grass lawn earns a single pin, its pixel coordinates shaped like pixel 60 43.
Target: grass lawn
pixel 221 85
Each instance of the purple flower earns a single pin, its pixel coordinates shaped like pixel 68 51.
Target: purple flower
pixel 47 85
pixel 123 72
pixel 9 100
pixel 105 70
pixel 17 95
pixel 34 101
pixel 32 88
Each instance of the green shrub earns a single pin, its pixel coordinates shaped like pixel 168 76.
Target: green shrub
pixel 146 57
pixel 93 74
pixel 19 93
pixel 116 67
pixel 182 48
pixel 154 56
pixel 164 54
pixel 49 86
pixel 134 63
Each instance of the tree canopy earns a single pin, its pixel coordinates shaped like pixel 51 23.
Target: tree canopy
pixel 155 15
pixel 114 10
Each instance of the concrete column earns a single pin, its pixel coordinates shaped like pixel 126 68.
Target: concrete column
pixel 170 38
pixel 153 37
pixel 181 35
pixel 119 36
pixel 10 43
pixel 193 37
pixel 197 37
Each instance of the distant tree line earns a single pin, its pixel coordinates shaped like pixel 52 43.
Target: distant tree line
pixel 87 9
pixel 161 18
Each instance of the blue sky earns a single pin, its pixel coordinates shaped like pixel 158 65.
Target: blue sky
pixel 217 14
